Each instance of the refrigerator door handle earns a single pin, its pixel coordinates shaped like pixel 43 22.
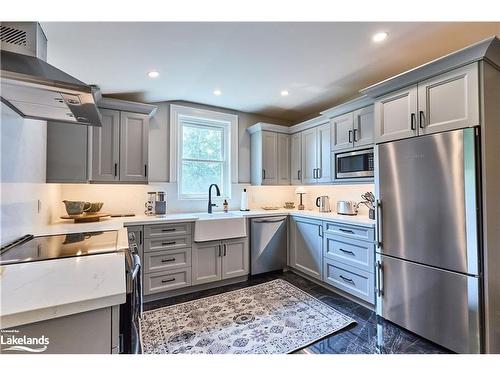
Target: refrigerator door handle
pixel 380 286
pixel 379 223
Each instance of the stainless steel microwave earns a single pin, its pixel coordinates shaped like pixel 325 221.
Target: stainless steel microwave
pixel 355 164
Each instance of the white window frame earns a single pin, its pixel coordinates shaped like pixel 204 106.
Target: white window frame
pixel 180 114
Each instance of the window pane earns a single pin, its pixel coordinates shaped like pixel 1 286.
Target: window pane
pixel 198 175
pixel 202 142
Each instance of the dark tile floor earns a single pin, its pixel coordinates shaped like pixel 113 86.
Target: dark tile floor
pixel 371 334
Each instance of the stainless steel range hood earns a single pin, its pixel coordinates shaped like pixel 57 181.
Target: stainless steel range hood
pixel 35 89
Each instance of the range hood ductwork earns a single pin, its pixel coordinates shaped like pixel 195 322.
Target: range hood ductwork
pixel 35 89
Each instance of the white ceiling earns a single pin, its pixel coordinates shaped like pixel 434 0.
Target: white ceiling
pixel 320 64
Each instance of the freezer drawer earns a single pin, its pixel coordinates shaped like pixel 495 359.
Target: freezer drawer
pixel 442 306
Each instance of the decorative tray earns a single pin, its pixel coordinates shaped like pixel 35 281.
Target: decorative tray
pixel 86 218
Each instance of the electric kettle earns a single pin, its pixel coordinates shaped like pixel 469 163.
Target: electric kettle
pixel 323 203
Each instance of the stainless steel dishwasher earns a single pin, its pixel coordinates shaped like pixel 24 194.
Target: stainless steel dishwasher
pixel 268 243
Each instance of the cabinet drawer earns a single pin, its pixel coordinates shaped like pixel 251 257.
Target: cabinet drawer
pixel 163 281
pixel 167 230
pixel 167 260
pixel 352 280
pixel 352 252
pixel 351 231
pixel 167 243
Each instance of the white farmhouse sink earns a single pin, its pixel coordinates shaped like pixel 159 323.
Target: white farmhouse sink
pixel 219 226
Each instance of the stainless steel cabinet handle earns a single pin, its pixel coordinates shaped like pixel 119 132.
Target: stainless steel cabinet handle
pixel 347 279
pixel 320 230
pixel 412 121
pixel 354 136
pixel 168 280
pixel 168 260
pixel 220 251
pixel 263 174
pixel 421 119
pixel 145 170
pixel 346 230
pixel 116 169
pixel 269 221
pixel 168 243
pixel 168 230
pixel 380 290
pixel 298 175
pixel 320 173
pixel 225 249
pixel 347 251
pixel 350 132
pixel 379 223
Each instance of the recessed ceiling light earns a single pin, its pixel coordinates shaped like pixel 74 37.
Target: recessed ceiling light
pixel 153 74
pixel 284 93
pixel 217 92
pixel 378 37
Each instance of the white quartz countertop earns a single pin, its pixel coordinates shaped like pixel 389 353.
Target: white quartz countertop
pixel 37 291
pixel 64 227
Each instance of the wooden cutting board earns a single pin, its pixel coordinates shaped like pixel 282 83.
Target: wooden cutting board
pixel 86 218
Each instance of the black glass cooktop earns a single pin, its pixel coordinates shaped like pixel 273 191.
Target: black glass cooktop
pixel 32 249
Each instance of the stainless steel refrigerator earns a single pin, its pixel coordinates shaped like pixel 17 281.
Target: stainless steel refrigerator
pixel 428 277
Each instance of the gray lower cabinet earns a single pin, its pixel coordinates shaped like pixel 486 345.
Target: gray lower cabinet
pixel 120 147
pixel 348 259
pixel 166 257
pixel 219 260
pixel 306 243
pixel 67 153
pixel 90 332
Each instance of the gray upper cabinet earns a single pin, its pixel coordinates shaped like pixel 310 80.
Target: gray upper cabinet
pixel 120 147
pixel 316 165
pixel 352 129
pixel 283 143
pixel 342 131
pixel 324 173
pixel 364 122
pixel 106 147
pixel 395 115
pixel 309 156
pixel 67 152
pixel 296 158
pixel 270 158
pixel 306 249
pixel 445 102
pixel 134 133
pixel 449 101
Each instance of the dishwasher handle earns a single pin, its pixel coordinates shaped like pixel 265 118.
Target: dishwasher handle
pixel 269 221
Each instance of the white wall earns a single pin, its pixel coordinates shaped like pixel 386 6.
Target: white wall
pixel 23 158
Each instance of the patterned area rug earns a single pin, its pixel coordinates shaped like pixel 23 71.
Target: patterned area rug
pixel 269 318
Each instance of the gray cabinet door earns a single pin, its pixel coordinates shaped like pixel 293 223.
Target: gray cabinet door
pixel 67 159
pixel 309 156
pixel 283 155
pixel 396 115
pixel 134 132
pixel 235 258
pixel 269 158
pixel 324 173
pixel 296 158
pixel 306 251
pixel 364 122
pixel 449 101
pixel 342 132
pixel 206 262
pixel 106 147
